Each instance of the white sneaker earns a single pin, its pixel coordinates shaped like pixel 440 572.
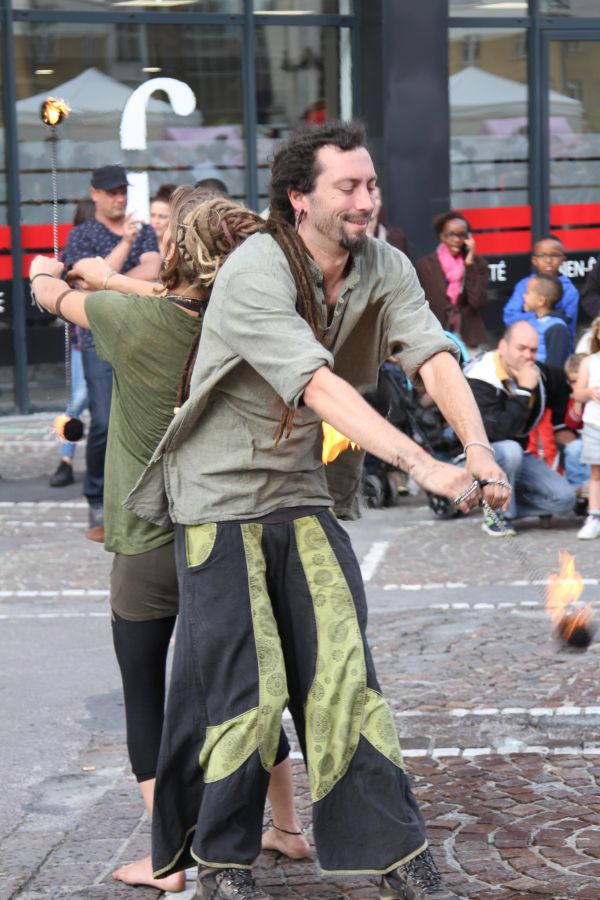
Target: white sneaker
pixel 590 529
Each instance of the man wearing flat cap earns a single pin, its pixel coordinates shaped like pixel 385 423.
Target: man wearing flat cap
pixel 128 246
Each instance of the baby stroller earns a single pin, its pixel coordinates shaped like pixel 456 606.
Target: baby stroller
pixel 396 399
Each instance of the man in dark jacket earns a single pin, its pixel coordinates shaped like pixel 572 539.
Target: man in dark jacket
pixel 512 392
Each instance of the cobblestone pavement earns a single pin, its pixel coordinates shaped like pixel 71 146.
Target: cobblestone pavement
pixel 499 724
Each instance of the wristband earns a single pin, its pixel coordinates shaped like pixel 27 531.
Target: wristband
pixel 108 275
pixel 47 275
pixel 479 444
pixel 58 305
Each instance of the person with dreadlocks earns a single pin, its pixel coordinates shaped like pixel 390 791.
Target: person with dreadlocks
pixel 149 336
pixel 275 610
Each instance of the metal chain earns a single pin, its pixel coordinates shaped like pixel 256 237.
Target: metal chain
pixel 467 493
pixel 538 580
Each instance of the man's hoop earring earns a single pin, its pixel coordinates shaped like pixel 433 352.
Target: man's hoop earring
pixel 300 218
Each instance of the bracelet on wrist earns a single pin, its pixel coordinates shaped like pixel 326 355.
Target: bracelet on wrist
pixel 46 274
pixel 479 444
pixel 108 275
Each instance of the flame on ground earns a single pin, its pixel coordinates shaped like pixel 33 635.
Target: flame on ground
pixel 563 591
pixel 54 111
pixel 334 443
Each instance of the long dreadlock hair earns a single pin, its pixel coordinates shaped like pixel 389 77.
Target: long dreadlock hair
pixel 206 229
pixel 295 167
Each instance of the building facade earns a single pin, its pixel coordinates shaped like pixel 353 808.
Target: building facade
pixel 488 106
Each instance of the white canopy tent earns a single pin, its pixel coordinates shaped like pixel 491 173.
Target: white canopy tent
pixel 97 102
pixel 476 96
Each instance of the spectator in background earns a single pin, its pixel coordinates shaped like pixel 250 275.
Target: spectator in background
pixel 455 280
pixel 576 471
pixel 378 229
pixel 214 185
pixel 547 258
pixel 128 246
pixel 159 210
pixel 587 391
pixel 590 294
pixel 78 401
pixel 512 392
pixel 541 297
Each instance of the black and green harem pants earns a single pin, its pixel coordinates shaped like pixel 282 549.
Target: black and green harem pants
pixel 274 615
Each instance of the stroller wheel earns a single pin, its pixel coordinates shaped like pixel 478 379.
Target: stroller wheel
pixel 373 492
pixel 441 507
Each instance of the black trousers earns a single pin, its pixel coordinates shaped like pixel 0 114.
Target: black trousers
pixel 274 615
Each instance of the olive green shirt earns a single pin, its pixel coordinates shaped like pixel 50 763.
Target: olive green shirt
pixel 146 340
pixel 218 460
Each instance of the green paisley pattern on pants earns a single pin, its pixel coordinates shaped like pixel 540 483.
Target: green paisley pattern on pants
pixel 335 719
pixel 339 707
pixel 228 745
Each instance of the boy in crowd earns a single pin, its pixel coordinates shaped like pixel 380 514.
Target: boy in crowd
pixel 547 257
pixel 541 297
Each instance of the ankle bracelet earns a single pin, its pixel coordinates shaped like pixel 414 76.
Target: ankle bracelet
pixel 284 830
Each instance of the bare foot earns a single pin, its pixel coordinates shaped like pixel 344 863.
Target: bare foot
pixel 294 846
pixel 140 872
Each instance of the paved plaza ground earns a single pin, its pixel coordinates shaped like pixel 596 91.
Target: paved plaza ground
pixel 499 724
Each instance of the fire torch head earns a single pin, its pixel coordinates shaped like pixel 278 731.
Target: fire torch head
pixel 53 111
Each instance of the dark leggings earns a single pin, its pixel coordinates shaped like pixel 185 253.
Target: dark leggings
pixel 141 649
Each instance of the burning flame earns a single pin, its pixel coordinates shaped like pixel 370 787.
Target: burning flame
pixel 334 443
pixel 563 591
pixel 54 111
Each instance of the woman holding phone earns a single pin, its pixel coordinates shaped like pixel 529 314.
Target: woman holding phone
pixel 455 280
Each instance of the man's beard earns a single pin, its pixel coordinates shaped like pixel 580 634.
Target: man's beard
pixel 332 227
pixel 354 245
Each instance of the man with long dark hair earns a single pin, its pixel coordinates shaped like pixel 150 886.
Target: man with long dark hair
pixel 274 613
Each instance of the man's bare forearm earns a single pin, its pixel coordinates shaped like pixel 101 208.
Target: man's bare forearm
pixel 338 403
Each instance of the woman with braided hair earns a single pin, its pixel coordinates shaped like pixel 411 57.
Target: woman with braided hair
pixel 149 334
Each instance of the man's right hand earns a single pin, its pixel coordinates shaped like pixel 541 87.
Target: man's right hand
pixel 447 480
pixel 528 376
pixel 131 228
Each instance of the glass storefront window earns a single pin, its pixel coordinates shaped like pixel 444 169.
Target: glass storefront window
pixel 96 69
pixel 226 7
pixel 574 68
pixel 303 7
pixel 302 74
pixel 578 8
pixel 489 142
pixel 189 126
pixel 485 8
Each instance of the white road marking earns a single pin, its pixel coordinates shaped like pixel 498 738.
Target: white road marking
pixel 43 504
pixel 369 564
pixel 64 592
pixel 455 585
pixel 44 615
pixel 492 711
pixel 511 747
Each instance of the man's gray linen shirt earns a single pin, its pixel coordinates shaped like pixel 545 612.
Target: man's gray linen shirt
pixel 218 460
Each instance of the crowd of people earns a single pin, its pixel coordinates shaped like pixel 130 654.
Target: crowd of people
pixel 537 397
pixel 215 343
